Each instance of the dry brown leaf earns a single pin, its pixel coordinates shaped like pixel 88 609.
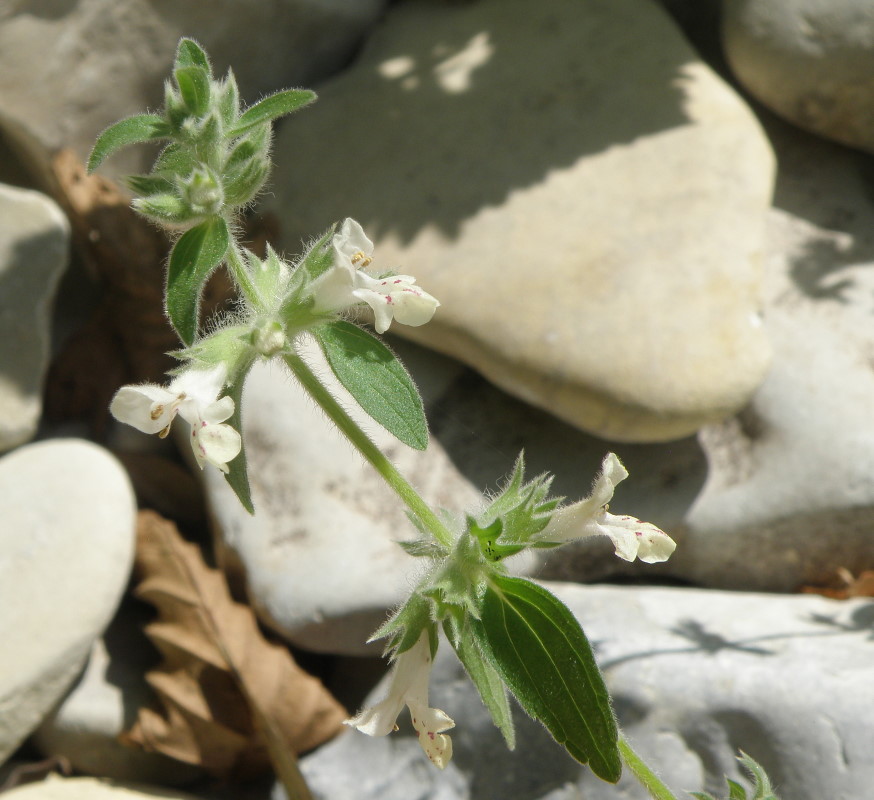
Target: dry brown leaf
pixel 845 585
pixel 232 701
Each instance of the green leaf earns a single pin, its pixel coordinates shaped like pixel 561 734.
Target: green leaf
pixel 190 54
pixel 486 679
pixel 405 626
pixel 229 100
pixel 193 85
pixel 735 790
pixel 376 379
pixel 166 207
pixel 193 258
pixel 544 658
pixel 133 130
pixel 174 160
pixel 237 475
pixel 320 256
pixel 148 184
pixel 268 109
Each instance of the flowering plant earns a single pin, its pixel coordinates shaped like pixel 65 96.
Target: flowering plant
pixel 512 635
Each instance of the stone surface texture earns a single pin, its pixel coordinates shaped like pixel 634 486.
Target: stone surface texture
pixel 696 675
pixel 811 61
pixel 590 216
pixel 66 548
pixel 34 242
pixel 70 69
pixel 782 494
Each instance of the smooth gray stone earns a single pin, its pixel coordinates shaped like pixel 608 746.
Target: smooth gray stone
pixel 34 244
pixel 71 69
pixel 810 61
pixel 66 550
pixel 589 215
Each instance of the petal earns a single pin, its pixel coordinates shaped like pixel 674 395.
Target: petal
pixel 655 545
pixel 382 306
pixel 351 240
pixel 202 386
pixel 148 408
pixel 635 539
pixel 429 722
pixel 378 720
pixel 413 306
pixel 218 411
pixel 332 290
pixel 215 444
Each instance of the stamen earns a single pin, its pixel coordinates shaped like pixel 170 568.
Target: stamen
pixel 165 431
pixel 156 411
pixel 366 261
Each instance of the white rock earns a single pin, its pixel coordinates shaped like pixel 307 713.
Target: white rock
pixel 783 494
pixel 66 548
pixel 695 675
pixel 34 241
pixel 582 194
pixel 85 727
pixel 811 61
pixel 790 492
pixel 320 555
pixel 65 76
pixel 55 788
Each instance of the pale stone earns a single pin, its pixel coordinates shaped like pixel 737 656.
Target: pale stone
pixel 69 70
pixel 582 194
pixel 34 242
pixel 66 549
pixel 694 675
pixel 789 497
pixel 85 728
pixel 782 495
pixel 811 61
pixel 55 788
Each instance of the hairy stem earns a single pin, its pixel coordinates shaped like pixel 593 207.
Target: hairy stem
pixel 651 782
pixel 368 449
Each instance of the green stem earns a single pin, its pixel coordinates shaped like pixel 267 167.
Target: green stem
pixel 643 773
pixel 238 268
pixel 368 449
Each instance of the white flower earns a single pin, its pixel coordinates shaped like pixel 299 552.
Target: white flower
pixel 409 686
pixel 346 284
pixel 590 517
pixel 193 396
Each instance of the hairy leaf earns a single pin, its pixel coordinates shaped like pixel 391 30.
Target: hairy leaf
pixel 195 255
pixel 132 130
pixel 226 692
pixel 486 679
pixel 190 54
pixel 268 109
pixel 541 653
pixel 194 87
pixel 376 379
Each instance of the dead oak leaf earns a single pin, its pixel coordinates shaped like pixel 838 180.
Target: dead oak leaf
pixel 231 701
